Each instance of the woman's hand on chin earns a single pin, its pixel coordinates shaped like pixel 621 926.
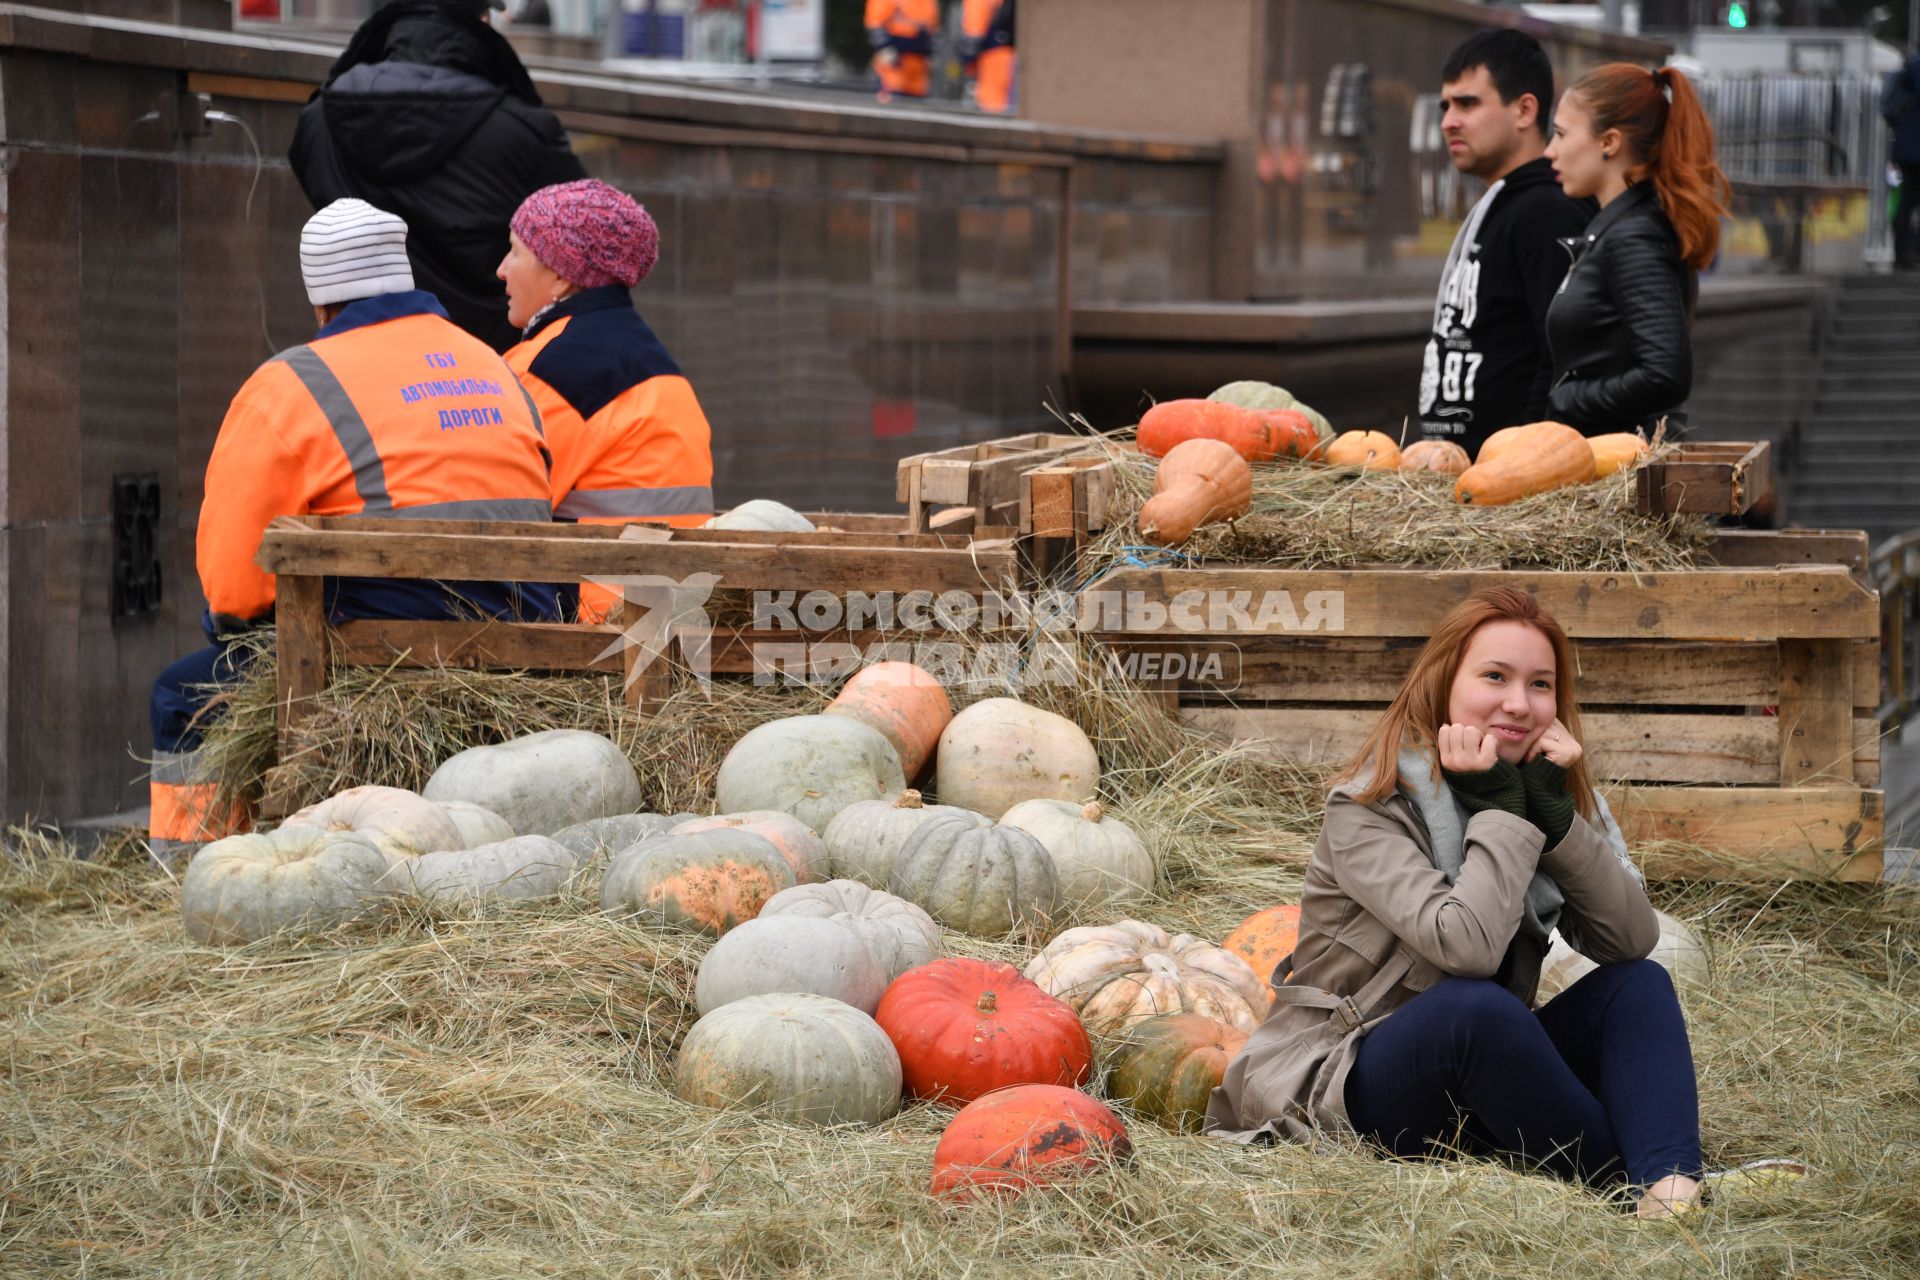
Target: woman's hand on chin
pixel 1558 746
pixel 1465 749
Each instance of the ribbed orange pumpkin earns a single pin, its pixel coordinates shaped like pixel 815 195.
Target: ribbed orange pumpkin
pixel 1174 422
pixel 906 704
pixel 1167 1066
pixel 1443 456
pixel 1026 1136
pixel 1547 456
pixel 1370 450
pixel 1265 938
pixel 1615 452
pixel 966 1027
pixel 1199 482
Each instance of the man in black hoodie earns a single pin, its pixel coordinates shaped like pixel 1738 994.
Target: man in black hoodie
pixel 1486 365
pixel 430 115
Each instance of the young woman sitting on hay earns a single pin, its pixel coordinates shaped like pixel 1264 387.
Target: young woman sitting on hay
pixel 1465 830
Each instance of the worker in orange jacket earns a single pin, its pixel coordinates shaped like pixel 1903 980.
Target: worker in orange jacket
pixel 987 52
pixel 390 410
pixel 901 33
pixel 629 439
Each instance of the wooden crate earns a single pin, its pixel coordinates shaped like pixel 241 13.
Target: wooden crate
pixel 1734 704
pixel 863 553
pixel 976 484
pixel 1714 477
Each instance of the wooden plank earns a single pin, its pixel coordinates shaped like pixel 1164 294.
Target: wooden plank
pixel 1639 746
pixel 1046 502
pixel 1812 831
pixel 1816 713
pixel 1771 548
pixel 249 88
pixel 1650 673
pixel 1815 602
pixel 1713 478
pixel 829 539
pixel 475 645
pixel 300 652
pixel 515 558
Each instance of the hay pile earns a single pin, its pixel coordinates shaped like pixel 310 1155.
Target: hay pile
pixel 1308 517
pixel 485 1093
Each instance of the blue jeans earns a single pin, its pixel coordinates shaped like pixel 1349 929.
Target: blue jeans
pixel 1597 1086
pixel 185 688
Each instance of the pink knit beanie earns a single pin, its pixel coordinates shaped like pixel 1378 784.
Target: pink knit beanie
pixel 589 234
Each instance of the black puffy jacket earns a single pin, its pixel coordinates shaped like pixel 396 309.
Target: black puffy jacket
pixel 430 115
pixel 1618 329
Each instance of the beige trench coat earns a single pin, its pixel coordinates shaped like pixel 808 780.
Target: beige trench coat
pixel 1374 903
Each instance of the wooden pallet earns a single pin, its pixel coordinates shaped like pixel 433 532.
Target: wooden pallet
pixel 1714 477
pixel 850 553
pixel 1736 703
pixel 976 483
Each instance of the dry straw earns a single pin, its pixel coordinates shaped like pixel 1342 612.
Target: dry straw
pixel 485 1093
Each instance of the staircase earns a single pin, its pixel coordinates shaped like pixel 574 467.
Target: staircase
pixel 1856 463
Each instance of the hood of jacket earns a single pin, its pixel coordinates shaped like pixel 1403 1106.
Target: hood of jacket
pixel 399 121
pixel 429 33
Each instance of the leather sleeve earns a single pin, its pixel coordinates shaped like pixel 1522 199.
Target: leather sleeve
pixel 1607 917
pixel 1647 282
pixel 1464 927
pixel 1541 263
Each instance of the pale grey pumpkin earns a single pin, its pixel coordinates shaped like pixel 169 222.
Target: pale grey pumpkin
pixel 297 877
pixel 809 766
pixel 604 837
pixel 397 822
pixel 477 824
pixel 794 839
pixel 711 880
pixel 519 867
pixel 986 881
pixel 543 782
pixel 864 839
pixel 1098 858
pixel 1001 751
pixel 771 954
pixel 899 934
pixel 795 1056
pixel 764 515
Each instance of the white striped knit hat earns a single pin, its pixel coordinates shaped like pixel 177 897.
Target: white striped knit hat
pixel 351 250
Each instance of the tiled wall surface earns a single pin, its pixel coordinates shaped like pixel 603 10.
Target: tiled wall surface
pixel 834 309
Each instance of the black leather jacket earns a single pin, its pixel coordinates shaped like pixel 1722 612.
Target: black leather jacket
pixel 1617 330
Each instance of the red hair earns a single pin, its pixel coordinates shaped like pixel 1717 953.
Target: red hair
pixel 1671 141
pixel 1420 708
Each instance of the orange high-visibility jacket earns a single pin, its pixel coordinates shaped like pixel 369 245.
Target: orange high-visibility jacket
pixel 629 439
pixel 391 409
pixel 905 20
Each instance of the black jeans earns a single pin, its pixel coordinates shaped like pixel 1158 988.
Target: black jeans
pixel 1596 1086
pixel 1906 218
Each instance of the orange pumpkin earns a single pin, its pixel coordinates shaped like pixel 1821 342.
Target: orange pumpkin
pixel 906 704
pixel 1294 433
pixel 710 880
pixel 1174 422
pixel 1199 482
pixel 1443 456
pixel 964 1028
pixel 1370 450
pixel 1615 452
pixel 1166 1067
pixel 1265 938
pixel 1026 1136
pixel 1547 456
pixel 795 840
pixel 1502 440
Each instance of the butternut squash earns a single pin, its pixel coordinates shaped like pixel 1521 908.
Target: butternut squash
pixel 1371 450
pixel 1616 452
pixel 1502 440
pixel 1200 482
pixel 1443 456
pixel 1172 422
pixel 1551 456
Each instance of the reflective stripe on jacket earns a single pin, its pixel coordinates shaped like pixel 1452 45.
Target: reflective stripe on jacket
pixel 391 409
pixel 629 439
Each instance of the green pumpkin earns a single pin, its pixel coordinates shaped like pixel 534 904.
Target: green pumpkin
pixel 1165 1068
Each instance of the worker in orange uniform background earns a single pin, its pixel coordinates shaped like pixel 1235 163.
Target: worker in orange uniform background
pixel 901 33
pixel 988 52
pixel 390 410
pixel 630 441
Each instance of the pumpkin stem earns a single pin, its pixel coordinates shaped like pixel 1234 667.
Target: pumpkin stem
pixel 909 799
pixel 1093 811
pixel 987 1003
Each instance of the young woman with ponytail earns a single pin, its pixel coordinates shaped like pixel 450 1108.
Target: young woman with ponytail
pixel 1618 330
